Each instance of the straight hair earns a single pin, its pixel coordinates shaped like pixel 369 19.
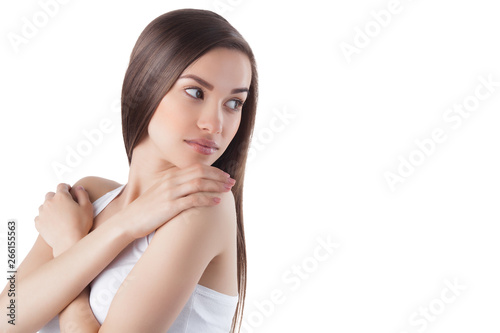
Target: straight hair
pixel 166 47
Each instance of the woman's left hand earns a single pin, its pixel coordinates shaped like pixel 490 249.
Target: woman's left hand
pixel 63 221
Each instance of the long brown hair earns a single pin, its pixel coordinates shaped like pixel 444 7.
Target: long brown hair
pixel 166 47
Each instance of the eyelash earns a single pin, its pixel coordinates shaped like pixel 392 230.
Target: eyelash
pixel 238 101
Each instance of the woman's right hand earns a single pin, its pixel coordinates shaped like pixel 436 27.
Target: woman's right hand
pixel 178 190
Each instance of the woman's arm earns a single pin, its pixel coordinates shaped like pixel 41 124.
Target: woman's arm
pixel 47 290
pixel 51 287
pixel 165 276
pixel 167 272
pixel 78 315
pixel 41 252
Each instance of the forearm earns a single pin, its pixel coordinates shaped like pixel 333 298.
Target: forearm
pixel 49 289
pixel 78 316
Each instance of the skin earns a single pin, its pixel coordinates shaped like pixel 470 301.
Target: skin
pixel 163 170
pixel 181 117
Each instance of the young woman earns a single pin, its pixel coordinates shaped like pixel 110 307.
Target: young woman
pixel 158 253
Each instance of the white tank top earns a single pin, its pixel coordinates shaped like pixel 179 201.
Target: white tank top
pixel 206 310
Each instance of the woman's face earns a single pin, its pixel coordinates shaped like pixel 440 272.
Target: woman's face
pixel 204 104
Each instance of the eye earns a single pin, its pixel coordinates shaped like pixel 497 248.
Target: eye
pixel 235 104
pixel 194 92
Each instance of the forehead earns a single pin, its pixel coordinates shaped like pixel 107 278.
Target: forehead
pixel 224 68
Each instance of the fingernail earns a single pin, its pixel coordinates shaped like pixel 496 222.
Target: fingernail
pixel 79 187
pixel 216 200
pixel 231 181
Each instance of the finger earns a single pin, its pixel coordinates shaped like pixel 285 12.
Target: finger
pixel 201 171
pixel 49 195
pixel 196 200
pixel 63 188
pixel 82 196
pixel 36 223
pixel 201 185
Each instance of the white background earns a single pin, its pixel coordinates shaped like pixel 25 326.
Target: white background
pixel 322 175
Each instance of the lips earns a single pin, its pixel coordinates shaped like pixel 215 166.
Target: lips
pixel 201 148
pixel 204 143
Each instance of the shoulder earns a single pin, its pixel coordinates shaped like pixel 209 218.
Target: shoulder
pixel 171 265
pixel 221 216
pixel 96 187
pixel 214 226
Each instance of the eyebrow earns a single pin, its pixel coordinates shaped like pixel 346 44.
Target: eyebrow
pixel 210 86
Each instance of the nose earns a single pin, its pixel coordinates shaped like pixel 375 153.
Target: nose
pixel 210 119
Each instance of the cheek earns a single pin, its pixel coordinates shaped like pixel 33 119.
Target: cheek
pixel 234 126
pixel 158 128
pixel 166 122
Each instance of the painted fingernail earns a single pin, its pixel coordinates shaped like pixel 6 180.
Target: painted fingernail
pixel 231 181
pixel 216 200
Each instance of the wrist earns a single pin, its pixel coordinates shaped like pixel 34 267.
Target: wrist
pixel 123 226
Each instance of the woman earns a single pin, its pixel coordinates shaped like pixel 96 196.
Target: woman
pixel 159 252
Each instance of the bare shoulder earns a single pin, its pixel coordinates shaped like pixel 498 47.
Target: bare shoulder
pixel 224 212
pixel 96 187
pixel 222 215
pixel 217 223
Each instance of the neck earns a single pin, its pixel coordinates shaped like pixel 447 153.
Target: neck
pixel 146 168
